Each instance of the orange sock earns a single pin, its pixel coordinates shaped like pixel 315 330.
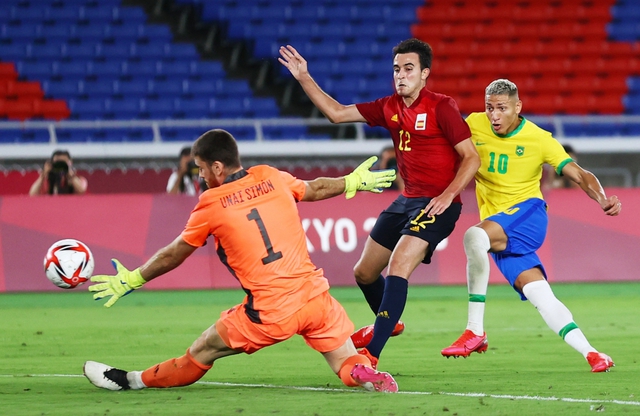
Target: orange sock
pixel 175 372
pixel 347 366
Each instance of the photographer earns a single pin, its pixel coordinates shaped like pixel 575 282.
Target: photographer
pixel 388 161
pixel 186 179
pixel 58 177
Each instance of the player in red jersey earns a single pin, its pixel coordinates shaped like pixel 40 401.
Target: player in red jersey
pixel 258 235
pixel 436 159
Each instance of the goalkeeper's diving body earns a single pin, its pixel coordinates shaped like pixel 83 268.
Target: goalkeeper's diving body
pixel 252 216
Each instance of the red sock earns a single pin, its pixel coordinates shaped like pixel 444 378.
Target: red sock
pixel 175 372
pixel 347 366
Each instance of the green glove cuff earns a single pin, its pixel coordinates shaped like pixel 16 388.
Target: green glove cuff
pixel 135 279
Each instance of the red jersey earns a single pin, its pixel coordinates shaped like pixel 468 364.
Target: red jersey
pixel 424 136
pixel 259 237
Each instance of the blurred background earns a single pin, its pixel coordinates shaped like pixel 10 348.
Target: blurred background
pixel 125 84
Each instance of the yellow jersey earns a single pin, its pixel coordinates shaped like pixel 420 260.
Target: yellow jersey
pixel 511 166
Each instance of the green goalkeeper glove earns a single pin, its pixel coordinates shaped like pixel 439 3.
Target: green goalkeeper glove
pixel 123 283
pixel 363 179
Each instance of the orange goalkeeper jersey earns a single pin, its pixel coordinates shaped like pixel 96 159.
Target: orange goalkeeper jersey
pixel 259 237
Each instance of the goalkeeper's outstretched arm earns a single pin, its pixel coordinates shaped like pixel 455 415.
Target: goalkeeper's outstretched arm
pixel 126 281
pixel 361 179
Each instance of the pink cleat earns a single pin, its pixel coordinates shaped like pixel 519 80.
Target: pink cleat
pixel 599 362
pixel 362 337
pixel 373 380
pixel 466 344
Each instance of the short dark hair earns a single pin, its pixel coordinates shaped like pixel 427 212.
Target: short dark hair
pixel 423 49
pixel 185 151
pixel 60 153
pixel 217 146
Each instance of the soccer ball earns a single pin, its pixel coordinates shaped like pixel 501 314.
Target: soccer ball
pixel 68 263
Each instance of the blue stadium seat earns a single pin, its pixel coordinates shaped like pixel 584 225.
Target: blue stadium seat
pixel 175 68
pixel 122 32
pixel 242 133
pixel 158 108
pixel 99 14
pixel 181 134
pixel 87 109
pixel 13 52
pixel 170 87
pixel 143 68
pixel 205 87
pixel 46 51
pixel 284 132
pixel 71 69
pixel 92 32
pixel 126 108
pixel 27 31
pixel 232 87
pixel 263 107
pixel 34 69
pixel 150 50
pixel 134 87
pixel 24 135
pixel 108 69
pixel 62 89
pixel 230 108
pixel 209 69
pixel 182 50
pixel 84 51
pixel 98 88
pixel 193 107
pixel 139 135
pixel 66 14
pixel 114 50
pixel 60 31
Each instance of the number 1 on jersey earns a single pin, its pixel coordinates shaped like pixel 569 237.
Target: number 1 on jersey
pixel 271 255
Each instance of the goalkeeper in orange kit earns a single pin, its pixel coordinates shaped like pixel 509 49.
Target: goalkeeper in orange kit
pixel 253 218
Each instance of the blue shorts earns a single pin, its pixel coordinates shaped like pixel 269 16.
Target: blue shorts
pixel 525 225
pixel 404 217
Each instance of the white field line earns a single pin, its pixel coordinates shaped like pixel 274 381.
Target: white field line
pixel 425 393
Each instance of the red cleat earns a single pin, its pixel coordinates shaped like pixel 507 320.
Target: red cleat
pixel 373 380
pixel 362 337
pixel 466 344
pixel 599 362
pixel 374 360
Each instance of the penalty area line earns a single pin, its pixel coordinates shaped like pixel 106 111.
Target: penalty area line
pixel 340 390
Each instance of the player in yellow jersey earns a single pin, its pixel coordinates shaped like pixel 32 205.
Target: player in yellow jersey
pixel 254 221
pixel 514 218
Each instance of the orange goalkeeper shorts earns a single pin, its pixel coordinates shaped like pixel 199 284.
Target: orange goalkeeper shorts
pixel 322 322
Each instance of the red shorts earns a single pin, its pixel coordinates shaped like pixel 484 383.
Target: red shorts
pixel 322 322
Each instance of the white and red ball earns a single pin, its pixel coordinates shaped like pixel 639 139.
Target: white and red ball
pixel 68 263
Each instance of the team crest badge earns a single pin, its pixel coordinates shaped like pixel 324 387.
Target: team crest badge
pixel 394 118
pixel 519 150
pixel 421 121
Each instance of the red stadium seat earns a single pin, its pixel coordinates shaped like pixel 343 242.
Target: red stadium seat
pixel 52 109
pixel 19 109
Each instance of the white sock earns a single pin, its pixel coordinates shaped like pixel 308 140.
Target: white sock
pixel 476 246
pixel 135 380
pixel 556 315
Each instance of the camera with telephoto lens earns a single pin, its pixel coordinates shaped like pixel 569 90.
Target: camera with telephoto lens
pixel 192 169
pixel 57 177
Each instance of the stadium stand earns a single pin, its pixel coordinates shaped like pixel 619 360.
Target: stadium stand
pixel 105 60
pixel 568 57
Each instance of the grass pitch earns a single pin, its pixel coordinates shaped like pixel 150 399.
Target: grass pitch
pixel 528 370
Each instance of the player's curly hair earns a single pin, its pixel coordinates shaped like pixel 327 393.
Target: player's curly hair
pixel 217 146
pixel 423 49
pixel 502 87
